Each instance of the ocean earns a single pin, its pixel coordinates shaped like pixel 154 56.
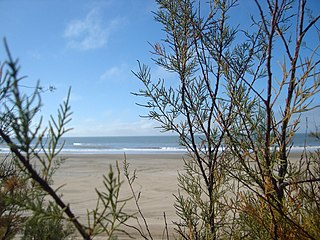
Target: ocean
pixel 130 144
pixel 147 144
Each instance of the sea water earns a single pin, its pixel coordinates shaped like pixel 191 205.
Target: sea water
pixel 148 144
pixel 129 144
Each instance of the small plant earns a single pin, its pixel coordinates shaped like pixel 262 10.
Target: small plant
pixel 28 203
pixel 49 225
pixel 109 217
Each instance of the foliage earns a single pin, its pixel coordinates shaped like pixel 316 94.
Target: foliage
pixel 12 186
pixel 29 170
pixel 141 228
pixel 28 204
pixel 47 225
pixel 109 216
pixel 236 109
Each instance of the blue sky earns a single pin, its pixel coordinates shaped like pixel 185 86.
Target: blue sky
pixel 91 46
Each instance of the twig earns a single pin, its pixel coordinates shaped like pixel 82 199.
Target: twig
pixel 136 199
pixel 285 184
pixel 45 186
pixel 165 231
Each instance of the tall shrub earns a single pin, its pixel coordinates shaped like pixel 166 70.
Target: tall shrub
pixel 236 109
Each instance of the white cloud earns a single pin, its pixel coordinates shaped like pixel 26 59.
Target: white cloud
pixel 90 32
pixel 115 73
pixel 111 73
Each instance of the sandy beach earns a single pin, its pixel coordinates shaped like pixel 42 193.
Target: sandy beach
pixel 156 180
pixel 81 174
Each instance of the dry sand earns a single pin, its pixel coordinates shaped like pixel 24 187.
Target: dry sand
pixel 156 180
pixel 81 174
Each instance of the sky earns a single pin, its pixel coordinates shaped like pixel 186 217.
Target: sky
pixel 92 47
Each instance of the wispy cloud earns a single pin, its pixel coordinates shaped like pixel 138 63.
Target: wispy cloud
pixel 111 73
pixel 90 32
pixel 115 73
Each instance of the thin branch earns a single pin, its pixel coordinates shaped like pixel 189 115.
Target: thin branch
pixel 45 186
pixel 285 184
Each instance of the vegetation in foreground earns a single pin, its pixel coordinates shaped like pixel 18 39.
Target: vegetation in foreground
pixel 243 91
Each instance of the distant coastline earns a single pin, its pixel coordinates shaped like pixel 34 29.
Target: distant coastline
pixel 149 145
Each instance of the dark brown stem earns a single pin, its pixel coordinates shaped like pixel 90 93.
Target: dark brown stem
pixel 284 184
pixel 44 185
